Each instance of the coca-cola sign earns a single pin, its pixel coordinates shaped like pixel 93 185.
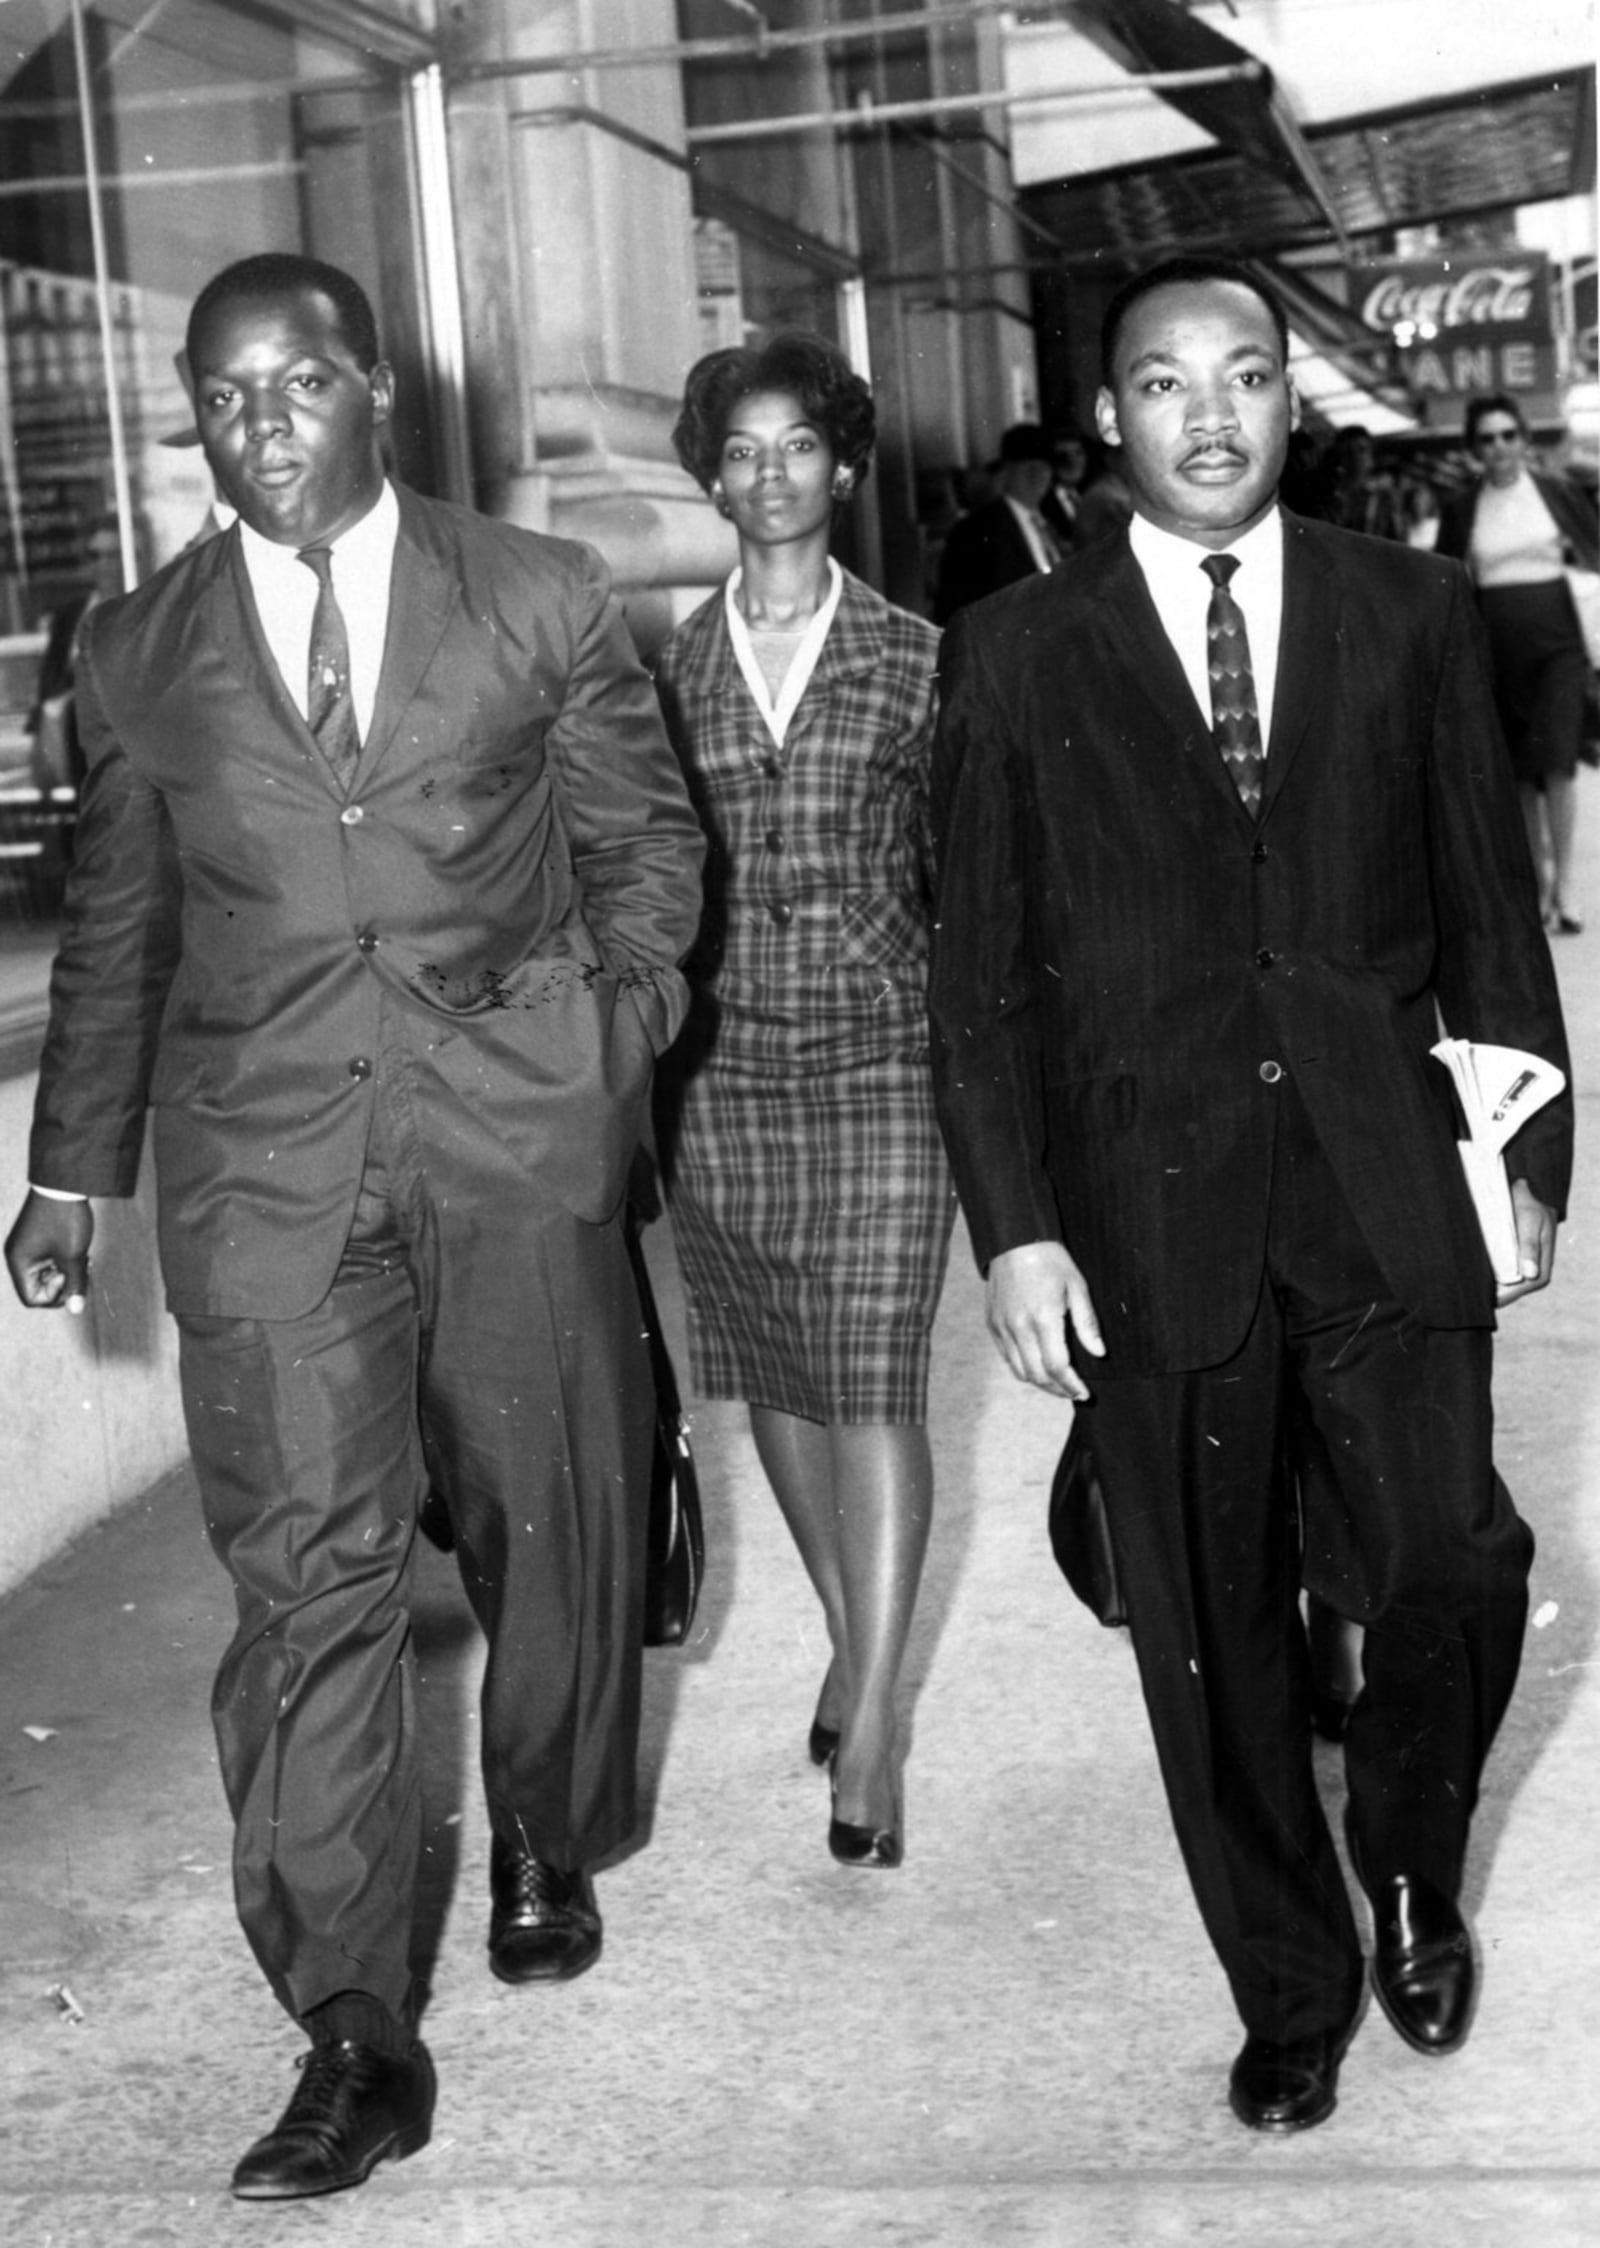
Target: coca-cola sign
pixel 1417 301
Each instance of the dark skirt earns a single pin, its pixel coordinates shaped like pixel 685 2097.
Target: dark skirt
pixel 1541 674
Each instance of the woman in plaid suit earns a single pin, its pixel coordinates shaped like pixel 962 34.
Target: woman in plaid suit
pixel 810 1199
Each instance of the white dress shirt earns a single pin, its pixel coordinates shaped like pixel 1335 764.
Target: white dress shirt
pixel 286 598
pixel 1041 539
pixel 1181 592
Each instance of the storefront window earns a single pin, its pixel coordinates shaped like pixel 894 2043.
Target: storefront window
pixel 220 128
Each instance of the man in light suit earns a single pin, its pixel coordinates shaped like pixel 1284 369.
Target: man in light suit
pixel 384 870
pixel 1183 1006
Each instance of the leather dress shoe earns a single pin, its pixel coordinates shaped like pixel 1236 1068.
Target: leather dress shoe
pixel 544 1924
pixel 1424 1972
pixel 1287 2087
pixel 353 2108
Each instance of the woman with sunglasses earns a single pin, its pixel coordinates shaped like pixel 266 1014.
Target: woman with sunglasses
pixel 1516 529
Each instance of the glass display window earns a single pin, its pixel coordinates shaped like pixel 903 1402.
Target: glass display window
pixel 142 148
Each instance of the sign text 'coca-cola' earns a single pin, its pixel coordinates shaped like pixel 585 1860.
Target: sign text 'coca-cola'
pixel 1443 296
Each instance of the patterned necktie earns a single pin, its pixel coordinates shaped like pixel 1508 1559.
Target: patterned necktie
pixel 1235 721
pixel 330 708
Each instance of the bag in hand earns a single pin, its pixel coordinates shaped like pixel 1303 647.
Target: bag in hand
pixel 676 1554
pixel 1079 1536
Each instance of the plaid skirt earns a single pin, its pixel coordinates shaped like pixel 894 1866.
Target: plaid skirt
pixel 811 1203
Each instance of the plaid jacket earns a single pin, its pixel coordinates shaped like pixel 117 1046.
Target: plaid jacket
pixel 819 851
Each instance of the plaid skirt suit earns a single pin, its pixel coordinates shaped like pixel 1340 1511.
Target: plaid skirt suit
pixel 810 1199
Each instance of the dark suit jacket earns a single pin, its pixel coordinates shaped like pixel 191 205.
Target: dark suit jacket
pixel 1572 509
pixel 985 551
pixel 1122 955
pixel 517 868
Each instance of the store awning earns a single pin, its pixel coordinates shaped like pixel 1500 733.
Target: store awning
pixel 1367 117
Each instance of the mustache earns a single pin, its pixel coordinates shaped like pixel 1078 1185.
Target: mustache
pixel 1212 449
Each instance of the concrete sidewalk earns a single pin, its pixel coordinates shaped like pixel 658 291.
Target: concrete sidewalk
pixel 1021 2037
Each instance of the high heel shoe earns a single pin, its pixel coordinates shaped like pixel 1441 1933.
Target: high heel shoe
pixel 878 1847
pixel 823 1742
pixel 864 1846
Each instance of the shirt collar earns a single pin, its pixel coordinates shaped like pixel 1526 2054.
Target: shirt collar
pixel 1167 556
pixel 366 545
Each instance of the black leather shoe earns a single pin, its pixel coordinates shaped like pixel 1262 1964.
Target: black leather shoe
pixel 1424 1972
pixel 1287 2087
pixel 544 1926
pixel 353 2108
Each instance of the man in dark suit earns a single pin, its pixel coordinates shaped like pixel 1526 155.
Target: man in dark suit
pixel 1183 1006
pixel 384 869
pixel 1007 537
pixel 1069 472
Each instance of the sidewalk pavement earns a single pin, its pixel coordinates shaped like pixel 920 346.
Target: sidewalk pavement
pixel 1021 2037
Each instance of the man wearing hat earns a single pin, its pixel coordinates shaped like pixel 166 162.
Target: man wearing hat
pixel 1007 538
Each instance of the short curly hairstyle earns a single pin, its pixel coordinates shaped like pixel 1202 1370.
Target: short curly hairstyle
pixel 829 390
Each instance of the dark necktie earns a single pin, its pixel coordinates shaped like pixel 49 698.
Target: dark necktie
pixel 330 708
pixel 1235 721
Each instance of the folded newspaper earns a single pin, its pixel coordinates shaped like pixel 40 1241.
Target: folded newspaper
pixel 1499 1089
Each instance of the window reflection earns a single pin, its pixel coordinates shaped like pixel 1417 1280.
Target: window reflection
pixel 220 129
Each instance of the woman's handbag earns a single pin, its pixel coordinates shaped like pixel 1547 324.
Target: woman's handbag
pixel 1079 1536
pixel 675 1556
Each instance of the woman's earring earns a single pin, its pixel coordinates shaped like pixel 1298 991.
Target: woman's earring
pixel 844 483
pixel 719 500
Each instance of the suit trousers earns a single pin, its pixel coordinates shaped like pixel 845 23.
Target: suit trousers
pixel 481 1340
pixel 1401 1524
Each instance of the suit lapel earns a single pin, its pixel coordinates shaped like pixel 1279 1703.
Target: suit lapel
pixel 1141 654
pixel 854 643
pixel 423 593
pixel 1307 640
pixel 228 631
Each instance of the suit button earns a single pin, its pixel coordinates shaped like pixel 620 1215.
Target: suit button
pixel 782 912
pixel 352 815
pixel 1270 1072
pixel 360 1068
pixel 1265 958
pixel 1258 851
pixel 775 839
pixel 366 942
pixel 773 768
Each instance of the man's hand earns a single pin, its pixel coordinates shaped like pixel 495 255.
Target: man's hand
pixel 47 1253
pixel 1536 1244
pixel 1033 1293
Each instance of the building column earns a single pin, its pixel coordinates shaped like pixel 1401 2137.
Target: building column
pixel 575 243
